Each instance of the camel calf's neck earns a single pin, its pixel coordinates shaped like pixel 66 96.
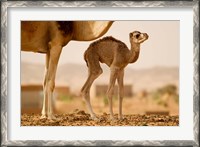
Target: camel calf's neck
pixel 117 56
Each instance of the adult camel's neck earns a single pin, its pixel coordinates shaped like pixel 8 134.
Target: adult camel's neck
pixel 134 52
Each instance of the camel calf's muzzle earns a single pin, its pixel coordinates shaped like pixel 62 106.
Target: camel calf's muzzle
pixel 146 35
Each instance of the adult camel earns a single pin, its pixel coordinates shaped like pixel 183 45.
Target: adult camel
pixel 49 37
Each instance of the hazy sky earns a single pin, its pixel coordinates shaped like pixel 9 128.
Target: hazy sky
pixel 161 49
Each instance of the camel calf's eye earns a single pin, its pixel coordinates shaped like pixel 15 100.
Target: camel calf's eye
pixel 137 36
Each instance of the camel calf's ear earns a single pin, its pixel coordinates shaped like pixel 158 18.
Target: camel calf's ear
pixel 131 35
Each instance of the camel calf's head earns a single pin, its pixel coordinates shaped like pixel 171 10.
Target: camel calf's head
pixel 138 37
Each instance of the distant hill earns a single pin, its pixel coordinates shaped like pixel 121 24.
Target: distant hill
pixel 74 75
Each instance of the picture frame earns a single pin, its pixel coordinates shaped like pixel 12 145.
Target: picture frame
pixel 6 5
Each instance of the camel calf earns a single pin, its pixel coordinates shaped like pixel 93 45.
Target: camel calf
pixel 117 56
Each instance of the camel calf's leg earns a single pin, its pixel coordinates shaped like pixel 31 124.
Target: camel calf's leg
pixel 113 77
pixel 86 94
pixel 86 91
pixel 120 91
pixel 94 70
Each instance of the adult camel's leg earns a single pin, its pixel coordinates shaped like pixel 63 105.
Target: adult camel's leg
pixel 113 77
pixel 55 51
pixel 120 79
pixel 44 107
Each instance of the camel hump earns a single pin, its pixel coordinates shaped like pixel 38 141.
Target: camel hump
pixel 65 26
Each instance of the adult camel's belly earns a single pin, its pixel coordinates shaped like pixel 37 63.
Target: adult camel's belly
pixel 34 36
pixel 35 46
pixel 90 30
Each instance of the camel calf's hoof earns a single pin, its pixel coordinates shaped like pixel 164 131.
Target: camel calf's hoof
pixel 112 118
pixel 120 117
pixel 51 117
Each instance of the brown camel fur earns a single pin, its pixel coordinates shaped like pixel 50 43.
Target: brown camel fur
pixel 50 37
pixel 117 56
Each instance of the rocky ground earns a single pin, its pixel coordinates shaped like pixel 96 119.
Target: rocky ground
pixel 80 118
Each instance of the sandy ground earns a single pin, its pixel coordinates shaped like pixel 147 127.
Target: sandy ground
pixel 81 118
pixel 74 113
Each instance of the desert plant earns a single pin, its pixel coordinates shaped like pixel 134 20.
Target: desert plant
pixel 65 98
pixel 105 101
pixel 163 94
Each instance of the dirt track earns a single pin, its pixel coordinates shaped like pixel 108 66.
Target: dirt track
pixel 80 118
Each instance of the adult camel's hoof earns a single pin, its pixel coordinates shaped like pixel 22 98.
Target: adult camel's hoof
pixel 94 118
pixel 43 117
